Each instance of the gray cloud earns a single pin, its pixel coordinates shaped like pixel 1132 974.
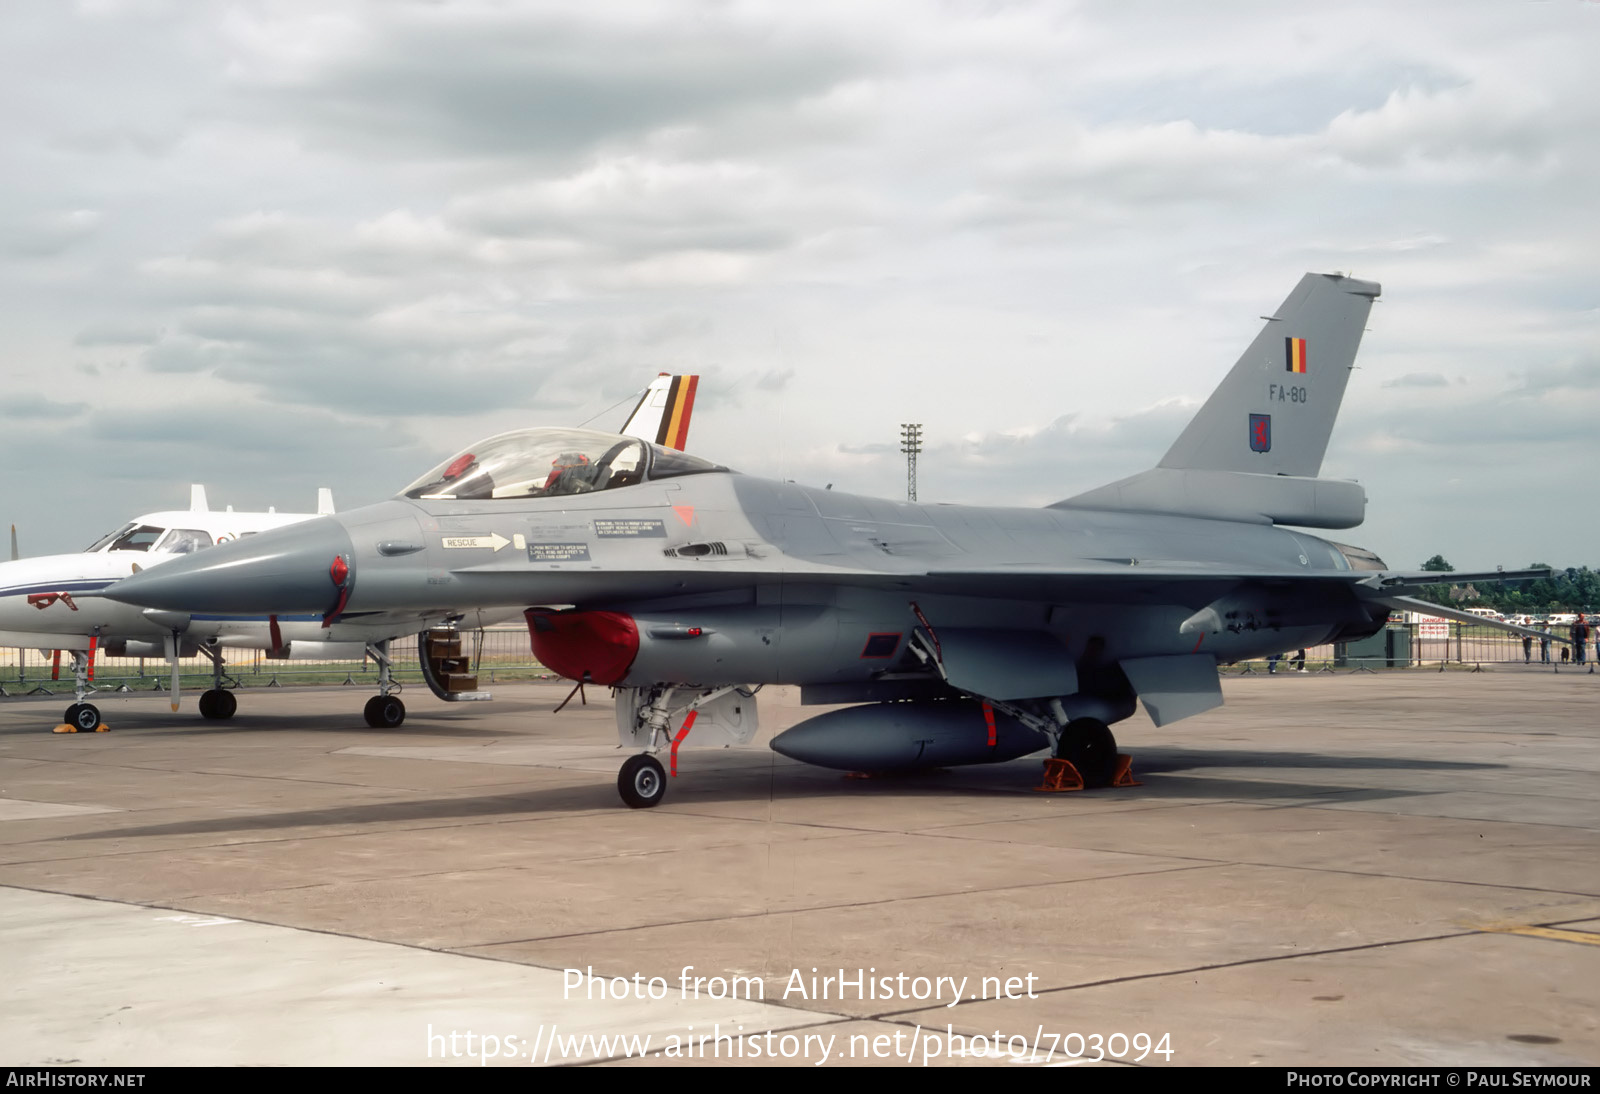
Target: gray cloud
pixel 27 406
pixel 1582 376
pixel 1418 379
pixel 518 83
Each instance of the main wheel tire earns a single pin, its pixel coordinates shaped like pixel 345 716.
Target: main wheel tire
pixel 1090 747
pixel 87 718
pixel 208 704
pixel 224 705
pixel 384 712
pixel 71 716
pixel 642 782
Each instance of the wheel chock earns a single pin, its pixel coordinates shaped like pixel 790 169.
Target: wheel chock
pixel 1060 776
pixel 64 728
pixel 1124 774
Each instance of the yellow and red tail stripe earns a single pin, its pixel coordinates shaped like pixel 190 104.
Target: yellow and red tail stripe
pixel 674 432
pixel 1294 352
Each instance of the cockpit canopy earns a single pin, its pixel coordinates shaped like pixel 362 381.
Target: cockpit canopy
pixel 536 463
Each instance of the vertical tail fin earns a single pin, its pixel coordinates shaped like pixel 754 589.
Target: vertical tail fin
pixel 1273 414
pixel 662 415
pixel 1253 451
pixel 324 501
pixel 197 498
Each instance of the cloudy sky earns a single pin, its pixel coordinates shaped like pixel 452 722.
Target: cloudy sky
pixel 278 245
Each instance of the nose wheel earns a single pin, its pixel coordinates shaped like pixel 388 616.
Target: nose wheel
pixel 83 717
pixel 642 782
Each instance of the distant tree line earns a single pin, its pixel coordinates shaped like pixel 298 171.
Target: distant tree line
pixel 1573 589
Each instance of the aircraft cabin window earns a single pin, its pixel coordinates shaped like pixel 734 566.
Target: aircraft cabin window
pixel 184 541
pixel 105 541
pixel 138 538
pixel 536 463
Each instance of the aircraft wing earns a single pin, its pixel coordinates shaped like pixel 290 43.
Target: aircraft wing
pixel 44 640
pixel 1410 604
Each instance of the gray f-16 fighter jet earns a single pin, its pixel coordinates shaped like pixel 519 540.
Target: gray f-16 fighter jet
pixel 962 634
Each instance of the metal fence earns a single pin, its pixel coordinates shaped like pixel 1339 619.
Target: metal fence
pixel 498 653
pixel 1436 646
pixel 504 653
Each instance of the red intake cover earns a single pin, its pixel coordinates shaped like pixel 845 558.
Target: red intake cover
pixel 595 646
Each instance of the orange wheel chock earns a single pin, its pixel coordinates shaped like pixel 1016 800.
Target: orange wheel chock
pixel 1060 776
pixel 1124 773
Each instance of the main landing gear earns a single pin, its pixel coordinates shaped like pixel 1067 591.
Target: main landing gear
pixel 1086 758
pixel 384 710
pixel 218 704
pixel 1087 744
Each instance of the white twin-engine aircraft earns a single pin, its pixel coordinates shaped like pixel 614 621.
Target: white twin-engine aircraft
pixel 53 602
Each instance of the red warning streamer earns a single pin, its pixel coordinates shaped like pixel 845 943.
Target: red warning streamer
pixel 988 717
pixel 94 647
pixel 688 723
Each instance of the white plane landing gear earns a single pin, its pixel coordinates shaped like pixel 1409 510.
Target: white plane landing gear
pixel 218 703
pixel 81 717
pixel 384 710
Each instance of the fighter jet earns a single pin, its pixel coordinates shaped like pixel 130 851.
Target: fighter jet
pixel 53 602
pixel 959 634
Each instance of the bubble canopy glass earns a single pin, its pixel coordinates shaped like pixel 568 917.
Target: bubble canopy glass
pixel 536 463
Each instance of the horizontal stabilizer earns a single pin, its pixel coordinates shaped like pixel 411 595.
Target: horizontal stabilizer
pixel 1231 495
pixel 1402 584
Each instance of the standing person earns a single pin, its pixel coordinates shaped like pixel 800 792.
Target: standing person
pixel 1298 662
pixel 1544 648
pixel 1272 662
pixel 1527 648
pixel 1580 638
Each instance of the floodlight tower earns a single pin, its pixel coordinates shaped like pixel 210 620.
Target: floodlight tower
pixel 911 444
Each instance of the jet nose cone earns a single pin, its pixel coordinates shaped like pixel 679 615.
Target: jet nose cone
pixel 300 568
